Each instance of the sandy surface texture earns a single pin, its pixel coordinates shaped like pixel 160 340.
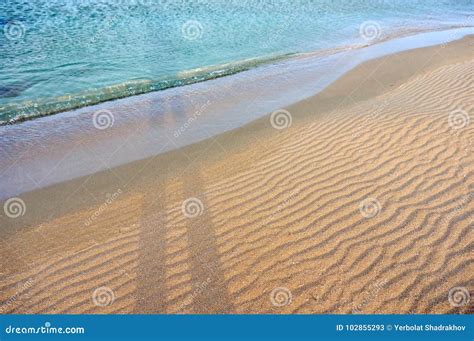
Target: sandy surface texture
pixel 357 200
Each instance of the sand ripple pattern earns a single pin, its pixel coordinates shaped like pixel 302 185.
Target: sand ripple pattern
pixel 286 234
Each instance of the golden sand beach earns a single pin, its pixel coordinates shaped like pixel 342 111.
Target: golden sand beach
pixel 356 200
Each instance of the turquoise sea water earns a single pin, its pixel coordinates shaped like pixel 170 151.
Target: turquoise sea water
pixel 56 55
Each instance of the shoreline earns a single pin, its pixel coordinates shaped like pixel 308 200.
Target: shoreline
pixel 327 102
pixel 28 109
pixel 278 209
pixel 79 146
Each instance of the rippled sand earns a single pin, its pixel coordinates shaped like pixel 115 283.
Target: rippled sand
pixel 364 204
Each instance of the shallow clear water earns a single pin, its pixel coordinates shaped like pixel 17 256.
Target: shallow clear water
pixel 49 150
pixel 90 51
